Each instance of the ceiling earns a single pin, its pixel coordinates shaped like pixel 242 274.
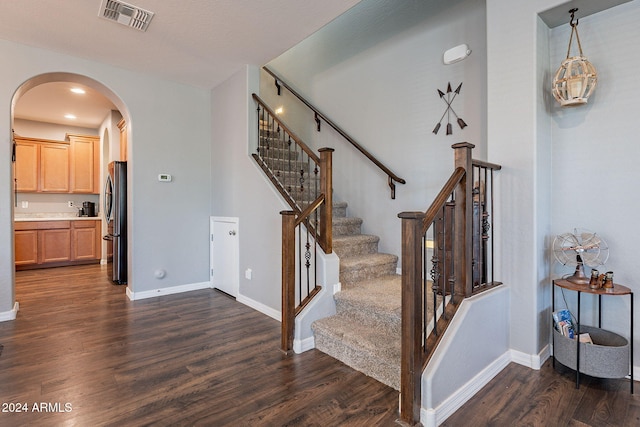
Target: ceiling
pixel 559 15
pixel 195 42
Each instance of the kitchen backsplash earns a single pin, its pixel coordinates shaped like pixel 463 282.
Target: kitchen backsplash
pixel 37 203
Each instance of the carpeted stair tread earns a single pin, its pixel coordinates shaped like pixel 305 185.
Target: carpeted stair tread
pixel 361 267
pixel 355 244
pixel 376 303
pixel 383 292
pixel 372 351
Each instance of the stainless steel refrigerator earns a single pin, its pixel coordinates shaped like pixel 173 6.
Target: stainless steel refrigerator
pixel 115 201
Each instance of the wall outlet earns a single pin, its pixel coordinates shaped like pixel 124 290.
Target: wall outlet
pixel 70 203
pixel 248 273
pixel 25 204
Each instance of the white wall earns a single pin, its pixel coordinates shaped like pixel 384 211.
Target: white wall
pixel 595 154
pixel 33 129
pixel 375 71
pixel 552 157
pixel 170 133
pixel 240 189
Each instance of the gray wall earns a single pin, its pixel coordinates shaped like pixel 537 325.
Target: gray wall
pixel 595 153
pixel 375 71
pixel 170 132
pixel 553 157
pixel 241 190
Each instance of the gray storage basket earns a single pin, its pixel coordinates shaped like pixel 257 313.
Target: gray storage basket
pixel 607 357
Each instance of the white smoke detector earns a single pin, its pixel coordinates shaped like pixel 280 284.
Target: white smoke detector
pixel 125 14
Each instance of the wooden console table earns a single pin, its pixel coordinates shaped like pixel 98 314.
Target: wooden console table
pixel 617 290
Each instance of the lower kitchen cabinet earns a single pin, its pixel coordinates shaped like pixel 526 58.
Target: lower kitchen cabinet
pixel 26 247
pixel 85 240
pixel 41 244
pixel 54 245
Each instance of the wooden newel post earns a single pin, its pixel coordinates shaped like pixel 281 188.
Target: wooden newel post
pixel 288 279
pixel 412 296
pixel 326 188
pixel 463 239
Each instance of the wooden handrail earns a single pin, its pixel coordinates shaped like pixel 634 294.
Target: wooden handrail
pixel 295 137
pixel 460 225
pixel 483 164
pixel 392 177
pixel 442 197
pixel 309 210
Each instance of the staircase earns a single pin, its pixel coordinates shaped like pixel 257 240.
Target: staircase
pixel 365 332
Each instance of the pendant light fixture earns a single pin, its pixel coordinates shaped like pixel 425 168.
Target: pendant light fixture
pixel 576 78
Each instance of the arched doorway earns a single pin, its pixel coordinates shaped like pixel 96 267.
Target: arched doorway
pixel 107 132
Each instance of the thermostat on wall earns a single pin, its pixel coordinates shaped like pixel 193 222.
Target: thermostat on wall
pixel 164 177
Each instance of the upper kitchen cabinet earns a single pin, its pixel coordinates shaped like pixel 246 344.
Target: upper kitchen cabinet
pixel 41 165
pixel 46 166
pixel 84 163
pixel 122 125
pixel 27 165
pixel 54 168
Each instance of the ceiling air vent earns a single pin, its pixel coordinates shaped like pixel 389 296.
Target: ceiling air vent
pixel 125 14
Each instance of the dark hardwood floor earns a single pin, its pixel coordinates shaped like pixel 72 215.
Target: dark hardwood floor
pixel 199 358
pixel 519 396
pixel 85 355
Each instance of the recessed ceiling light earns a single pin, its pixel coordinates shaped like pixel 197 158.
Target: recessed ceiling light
pixel 78 91
pixel 70 116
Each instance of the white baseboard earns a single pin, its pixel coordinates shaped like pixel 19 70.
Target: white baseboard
pixel 300 346
pixel 11 314
pixel 433 417
pixel 258 306
pixel 134 296
pixel 533 361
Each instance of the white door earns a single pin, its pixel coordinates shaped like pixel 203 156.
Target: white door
pixel 225 248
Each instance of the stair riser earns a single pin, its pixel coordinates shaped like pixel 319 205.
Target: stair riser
pixel 385 371
pixel 278 153
pixel 279 143
pixel 295 181
pixel 345 229
pixel 339 211
pixel 302 194
pixel 349 275
pixel 287 165
pixel 381 320
pixel 363 248
pixel 266 134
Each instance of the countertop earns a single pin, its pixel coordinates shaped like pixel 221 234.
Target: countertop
pixel 54 217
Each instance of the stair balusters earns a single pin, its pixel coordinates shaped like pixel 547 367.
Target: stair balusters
pixel 303 178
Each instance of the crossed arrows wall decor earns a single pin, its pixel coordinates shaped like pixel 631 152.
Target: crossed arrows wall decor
pixel 447 112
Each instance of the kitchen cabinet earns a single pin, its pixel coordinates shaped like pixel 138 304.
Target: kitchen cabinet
pixel 122 125
pixel 41 165
pixel 54 168
pixel 27 165
pixel 84 164
pixel 85 240
pixel 47 166
pixel 41 244
pixel 54 245
pixel 26 247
